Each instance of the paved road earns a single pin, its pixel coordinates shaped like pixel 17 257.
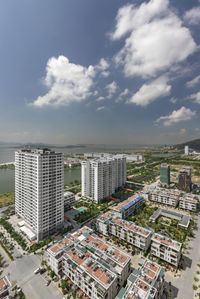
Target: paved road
pixel 33 285
pixel 182 287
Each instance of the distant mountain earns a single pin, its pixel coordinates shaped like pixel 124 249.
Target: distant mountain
pixel 193 145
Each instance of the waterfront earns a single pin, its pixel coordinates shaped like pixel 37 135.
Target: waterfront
pixel 7 178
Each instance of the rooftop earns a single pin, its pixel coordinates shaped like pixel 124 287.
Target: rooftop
pixel 143 281
pixel 127 203
pixel 167 242
pixel 4 284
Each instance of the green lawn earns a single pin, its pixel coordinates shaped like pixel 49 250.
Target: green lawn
pixel 7 199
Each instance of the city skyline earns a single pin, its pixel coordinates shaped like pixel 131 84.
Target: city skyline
pixel 121 72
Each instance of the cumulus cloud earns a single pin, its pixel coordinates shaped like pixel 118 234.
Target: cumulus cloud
pixel 149 92
pixel 155 38
pixel 103 64
pixel 196 97
pixel 67 82
pixel 111 88
pixel 176 116
pixel 193 82
pixel 192 16
pixel 100 108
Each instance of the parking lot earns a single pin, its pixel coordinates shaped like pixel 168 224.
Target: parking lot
pixel 33 285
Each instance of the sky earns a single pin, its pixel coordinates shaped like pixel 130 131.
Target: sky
pixel 99 72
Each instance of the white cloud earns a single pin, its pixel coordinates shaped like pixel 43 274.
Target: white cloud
pixel 100 99
pixel 122 95
pixel 67 82
pixel 196 97
pixel 151 91
pixel 192 16
pixel 105 74
pixel 100 108
pixel 111 88
pixel 156 39
pixel 193 82
pixel 103 65
pixel 177 116
pixel 173 100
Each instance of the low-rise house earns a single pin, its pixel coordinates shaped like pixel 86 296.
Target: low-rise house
pixel 4 286
pixel 109 224
pixel 95 266
pixel 165 196
pixel 166 249
pixel 188 203
pixel 147 282
pixel 128 207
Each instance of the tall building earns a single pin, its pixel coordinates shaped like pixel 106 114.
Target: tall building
pixel 39 190
pixel 184 178
pixel 186 150
pixel 101 177
pixel 165 174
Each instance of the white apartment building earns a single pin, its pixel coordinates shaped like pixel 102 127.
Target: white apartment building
pixel 147 282
pixel 69 199
pixel 128 207
pixel 101 177
pixel 186 150
pixel 165 196
pixel 95 266
pixel 108 224
pixel 188 202
pixel 39 188
pixel 166 249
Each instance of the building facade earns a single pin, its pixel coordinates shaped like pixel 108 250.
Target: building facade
pixel 96 267
pixel 110 224
pixel 39 188
pixel 165 174
pixel 188 203
pixel 165 196
pixel 166 249
pixel 147 282
pixel 185 178
pixel 101 177
pixel 69 199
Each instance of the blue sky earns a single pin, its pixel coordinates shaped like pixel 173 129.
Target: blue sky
pixel 90 71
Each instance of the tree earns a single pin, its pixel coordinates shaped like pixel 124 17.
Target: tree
pixel 52 274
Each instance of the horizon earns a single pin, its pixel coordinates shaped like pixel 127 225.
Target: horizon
pixel 117 72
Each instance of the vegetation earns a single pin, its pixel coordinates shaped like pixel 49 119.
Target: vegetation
pixel 16 236
pixel 166 227
pixel 41 244
pixel 7 199
pixel 7 251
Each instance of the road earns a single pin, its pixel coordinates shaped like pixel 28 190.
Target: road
pixel 33 285
pixel 182 286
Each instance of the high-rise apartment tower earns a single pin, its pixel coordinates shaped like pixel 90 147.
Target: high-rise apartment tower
pixel 101 177
pixel 39 190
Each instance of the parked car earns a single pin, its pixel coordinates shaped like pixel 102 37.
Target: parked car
pixel 48 282
pixel 36 271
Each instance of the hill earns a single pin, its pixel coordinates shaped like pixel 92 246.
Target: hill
pixel 193 144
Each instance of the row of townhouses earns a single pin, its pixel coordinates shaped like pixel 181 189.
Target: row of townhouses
pixel 171 198
pixel 140 237
pixel 96 267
